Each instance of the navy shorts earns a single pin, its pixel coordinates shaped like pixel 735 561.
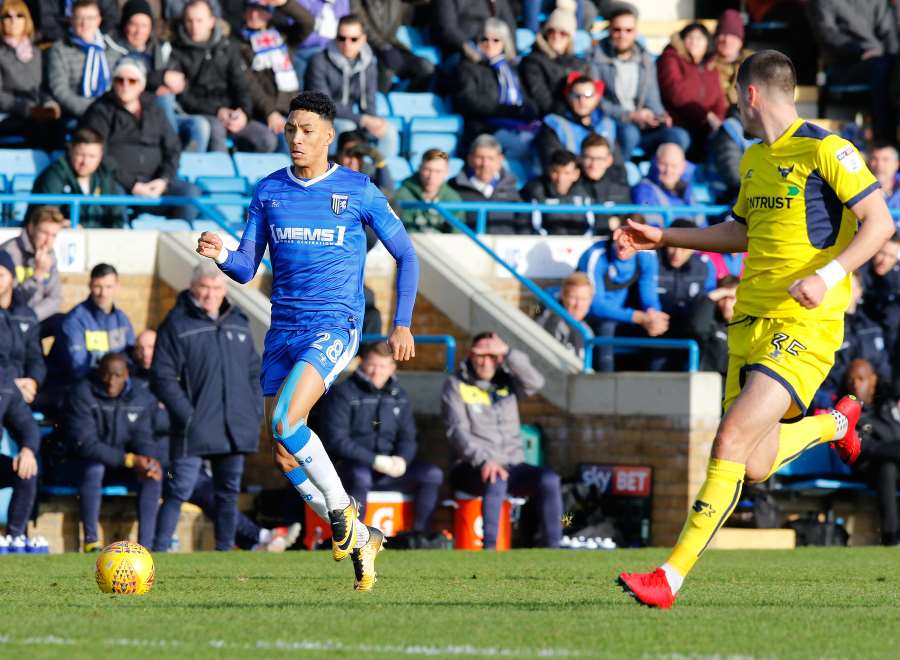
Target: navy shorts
pixel 324 345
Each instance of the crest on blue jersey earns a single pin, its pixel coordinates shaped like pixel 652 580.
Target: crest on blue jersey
pixel 339 202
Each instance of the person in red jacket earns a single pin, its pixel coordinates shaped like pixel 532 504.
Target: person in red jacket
pixel 689 85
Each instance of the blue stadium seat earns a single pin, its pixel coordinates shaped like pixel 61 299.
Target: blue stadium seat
pixel 159 223
pixel 231 206
pixel 256 166
pixel 213 163
pixel 583 42
pixel 520 169
pixel 632 172
pixel 206 225
pixel 524 40
pixel 817 471
pixel 419 143
pixel 21 183
pixel 399 123
pixel 382 105
pixel 72 491
pixel 410 36
pixel 425 104
pixel 22 161
pixel 399 168
pixel 701 193
pixel 222 184
pixel 429 53
pixel 438 124
pixel 455 165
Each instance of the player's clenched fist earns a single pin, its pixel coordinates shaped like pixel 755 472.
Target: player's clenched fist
pixel 634 237
pixel 401 342
pixel 209 245
pixel 809 291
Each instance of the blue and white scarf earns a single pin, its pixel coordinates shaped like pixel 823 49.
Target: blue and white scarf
pixel 510 88
pixel 95 76
pixel 270 52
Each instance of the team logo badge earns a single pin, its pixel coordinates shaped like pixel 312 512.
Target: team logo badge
pixel 785 171
pixel 704 507
pixel 339 202
pixel 132 417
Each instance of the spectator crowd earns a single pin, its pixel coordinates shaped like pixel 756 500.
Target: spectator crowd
pixel 122 90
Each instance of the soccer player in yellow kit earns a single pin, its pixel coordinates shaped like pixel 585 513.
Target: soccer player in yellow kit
pixel 803 191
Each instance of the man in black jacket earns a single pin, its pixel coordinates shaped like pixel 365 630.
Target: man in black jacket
pixel 110 428
pixel 216 82
pixel 142 149
pixel 369 426
pixel 605 180
pixel 19 472
pixel 707 323
pixel 206 372
pixel 21 356
pixel 559 185
pixel 485 180
pixel 879 429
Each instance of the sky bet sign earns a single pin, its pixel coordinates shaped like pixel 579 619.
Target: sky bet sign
pixel 619 480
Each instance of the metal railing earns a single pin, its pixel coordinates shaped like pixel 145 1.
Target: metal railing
pixel 207 207
pixel 482 209
pixel 448 341
pixel 689 345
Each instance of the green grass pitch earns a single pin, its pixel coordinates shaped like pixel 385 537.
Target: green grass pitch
pixel 808 603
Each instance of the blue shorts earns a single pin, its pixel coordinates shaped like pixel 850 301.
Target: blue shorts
pixel 326 347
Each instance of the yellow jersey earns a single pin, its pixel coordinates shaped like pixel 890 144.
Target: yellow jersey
pixel 795 199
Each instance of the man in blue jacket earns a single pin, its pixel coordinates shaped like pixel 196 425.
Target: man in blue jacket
pixel 20 334
pixel 110 428
pixel 19 472
pixel 631 91
pixel 90 330
pixel 369 426
pixel 206 372
pixel 625 293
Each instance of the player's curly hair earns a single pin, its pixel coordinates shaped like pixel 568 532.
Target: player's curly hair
pixel 315 102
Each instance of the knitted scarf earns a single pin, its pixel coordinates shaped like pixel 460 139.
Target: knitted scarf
pixel 510 88
pixel 95 76
pixel 270 52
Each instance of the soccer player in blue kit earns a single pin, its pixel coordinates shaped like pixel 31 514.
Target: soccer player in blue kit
pixel 312 216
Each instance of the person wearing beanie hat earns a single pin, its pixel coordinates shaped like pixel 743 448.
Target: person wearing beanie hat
pixel 531 10
pixel 136 37
pixel 551 59
pixel 729 51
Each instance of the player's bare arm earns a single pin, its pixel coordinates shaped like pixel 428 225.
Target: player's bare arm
pixel 875 230
pixel 725 237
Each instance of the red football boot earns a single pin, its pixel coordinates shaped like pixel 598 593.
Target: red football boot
pixel 848 447
pixel 651 589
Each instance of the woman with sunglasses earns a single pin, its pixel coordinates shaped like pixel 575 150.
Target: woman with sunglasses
pixel 490 95
pixel 552 58
pixel 24 108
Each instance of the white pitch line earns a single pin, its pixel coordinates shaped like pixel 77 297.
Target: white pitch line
pixel 463 650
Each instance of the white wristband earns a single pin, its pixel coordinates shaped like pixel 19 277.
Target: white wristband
pixel 222 256
pixel 832 273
